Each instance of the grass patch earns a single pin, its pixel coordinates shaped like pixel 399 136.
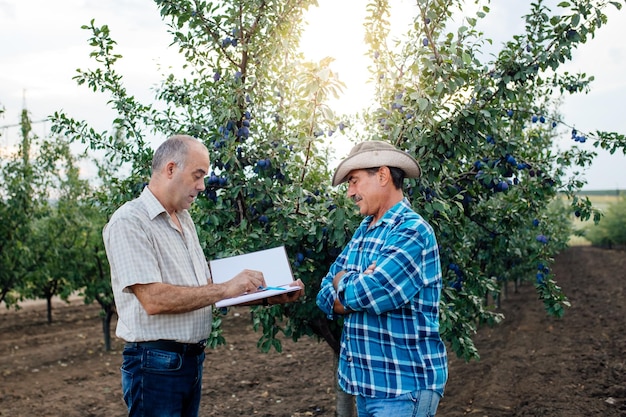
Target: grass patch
pixel 601 199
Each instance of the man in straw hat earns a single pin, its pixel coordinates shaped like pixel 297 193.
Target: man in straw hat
pixel 386 284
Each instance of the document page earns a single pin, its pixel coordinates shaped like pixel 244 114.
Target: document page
pixel 272 262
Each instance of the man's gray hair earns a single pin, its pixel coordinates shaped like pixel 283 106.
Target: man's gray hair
pixel 174 149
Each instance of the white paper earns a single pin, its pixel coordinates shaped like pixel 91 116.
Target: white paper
pixel 273 263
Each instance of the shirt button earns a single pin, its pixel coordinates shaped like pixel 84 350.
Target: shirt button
pixel 349 358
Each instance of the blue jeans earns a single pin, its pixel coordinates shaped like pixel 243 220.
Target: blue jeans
pixel 414 404
pixel 157 383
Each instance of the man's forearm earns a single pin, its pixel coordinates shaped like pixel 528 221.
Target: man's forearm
pixel 337 278
pixel 338 308
pixel 160 298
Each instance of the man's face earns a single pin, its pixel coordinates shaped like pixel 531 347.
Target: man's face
pixel 365 190
pixel 189 181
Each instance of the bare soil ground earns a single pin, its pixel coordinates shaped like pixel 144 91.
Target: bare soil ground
pixel 531 364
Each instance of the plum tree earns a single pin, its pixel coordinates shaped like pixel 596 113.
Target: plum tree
pixel 476 124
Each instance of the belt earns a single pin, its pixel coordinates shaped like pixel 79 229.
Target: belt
pixel 170 346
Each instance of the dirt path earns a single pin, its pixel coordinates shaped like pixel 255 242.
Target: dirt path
pixel 531 365
pixel 534 365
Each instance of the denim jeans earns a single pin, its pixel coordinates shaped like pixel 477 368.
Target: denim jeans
pixel 156 383
pixel 414 404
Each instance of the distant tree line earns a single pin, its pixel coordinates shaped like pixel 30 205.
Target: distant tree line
pixel 50 227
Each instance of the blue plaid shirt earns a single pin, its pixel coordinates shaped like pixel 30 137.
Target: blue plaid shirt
pixel 390 343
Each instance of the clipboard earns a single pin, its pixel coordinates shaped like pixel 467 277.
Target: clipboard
pixel 273 263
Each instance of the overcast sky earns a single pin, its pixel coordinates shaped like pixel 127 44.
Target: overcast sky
pixel 43 45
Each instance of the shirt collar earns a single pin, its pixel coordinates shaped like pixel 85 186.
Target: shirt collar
pixel 153 205
pixel 390 215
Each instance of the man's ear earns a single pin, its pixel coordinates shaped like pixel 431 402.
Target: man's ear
pixel 169 169
pixel 384 175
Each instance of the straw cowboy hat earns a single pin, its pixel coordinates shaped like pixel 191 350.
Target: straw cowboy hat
pixel 373 154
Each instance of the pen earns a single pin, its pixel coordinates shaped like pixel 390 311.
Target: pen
pixel 262 288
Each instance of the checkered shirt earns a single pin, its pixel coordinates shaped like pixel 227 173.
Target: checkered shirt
pixel 390 343
pixel 144 246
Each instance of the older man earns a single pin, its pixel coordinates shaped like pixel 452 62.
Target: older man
pixel 162 285
pixel 386 284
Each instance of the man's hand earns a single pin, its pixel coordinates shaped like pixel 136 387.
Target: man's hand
pixel 246 281
pixel 370 269
pixel 288 297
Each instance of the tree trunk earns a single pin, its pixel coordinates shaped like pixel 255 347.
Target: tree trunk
pixel 345 402
pixel 106 328
pixel 49 308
